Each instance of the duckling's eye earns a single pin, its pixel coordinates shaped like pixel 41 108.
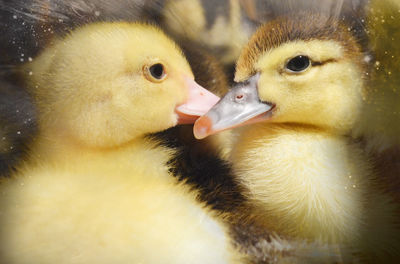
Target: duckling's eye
pixel 298 64
pixel 155 73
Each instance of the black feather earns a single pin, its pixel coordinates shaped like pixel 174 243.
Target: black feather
pixel 17 124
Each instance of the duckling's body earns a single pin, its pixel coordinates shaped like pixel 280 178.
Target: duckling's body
pixel 118 206
pixel 330 190
pixel 96 188
pixel 306 176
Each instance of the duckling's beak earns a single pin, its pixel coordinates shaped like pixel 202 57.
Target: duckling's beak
pixel 240 106
pixel 197 104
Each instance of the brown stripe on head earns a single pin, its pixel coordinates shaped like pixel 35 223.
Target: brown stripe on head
pixel 294 27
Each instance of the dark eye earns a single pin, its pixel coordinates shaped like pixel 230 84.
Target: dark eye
pixel 154 73
pixel 157 71
pixel 298 64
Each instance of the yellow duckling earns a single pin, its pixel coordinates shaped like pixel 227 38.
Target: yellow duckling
pixel 301 88
pixel 24 23
pixel 96 189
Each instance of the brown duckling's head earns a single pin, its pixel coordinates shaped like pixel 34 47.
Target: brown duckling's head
pixel 303 69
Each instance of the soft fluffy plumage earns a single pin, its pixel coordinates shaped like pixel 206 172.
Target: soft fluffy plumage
pixel 95 189
pixel 302 170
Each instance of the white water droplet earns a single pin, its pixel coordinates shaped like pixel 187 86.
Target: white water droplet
pixel 367 58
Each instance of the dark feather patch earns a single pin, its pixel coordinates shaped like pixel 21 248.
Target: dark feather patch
pixel 17 124
pixel 214 9
pixel 198 165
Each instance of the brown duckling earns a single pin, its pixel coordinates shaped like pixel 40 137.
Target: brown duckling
pixel 301 88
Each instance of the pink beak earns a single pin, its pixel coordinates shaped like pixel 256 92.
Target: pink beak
pixel 198 103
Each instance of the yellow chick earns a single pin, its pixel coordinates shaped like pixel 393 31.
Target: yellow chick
pixel 96 188
pixel 301 92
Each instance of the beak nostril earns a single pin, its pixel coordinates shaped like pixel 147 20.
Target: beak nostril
pixel 239 98
pixel 201 93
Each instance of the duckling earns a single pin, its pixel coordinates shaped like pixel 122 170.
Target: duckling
pixel 38 21
pixel 17 124
pixel 300 92
pixel 96 188
pixel 57 18
pixel 191 162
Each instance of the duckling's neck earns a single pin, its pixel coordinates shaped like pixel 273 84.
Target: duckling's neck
pixel 56 146
pixel 306 181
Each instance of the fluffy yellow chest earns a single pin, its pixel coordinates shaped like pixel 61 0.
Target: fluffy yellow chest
pixel 307 183
pixel 119 207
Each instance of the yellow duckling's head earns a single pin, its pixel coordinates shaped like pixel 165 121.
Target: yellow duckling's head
pixel 105 84
pixel 304 70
